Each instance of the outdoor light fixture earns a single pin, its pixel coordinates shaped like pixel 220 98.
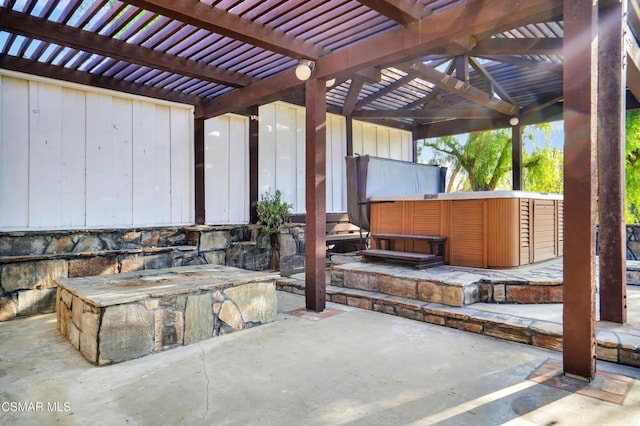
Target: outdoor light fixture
pixel 330 82
pixel 304 68
pixel 514 121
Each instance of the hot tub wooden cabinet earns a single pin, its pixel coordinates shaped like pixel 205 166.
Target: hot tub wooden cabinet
pixel 485 229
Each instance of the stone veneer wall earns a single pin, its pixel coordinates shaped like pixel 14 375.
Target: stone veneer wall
pixel 633 242
pixel 31 261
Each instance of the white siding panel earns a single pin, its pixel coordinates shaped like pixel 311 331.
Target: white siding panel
pixel 370 141
pixel 122 151
pixel 100 192
pixel 383 142
pixel 14 153
pixel 227 169
pixel 73 158
pixel 267 149
pixel 181 167
pixel 238 177
pixel 45 154
pixel 395 145
pixel 144 163
pixel 285 167
pixel 162 165
pixel 217 172
pixel 336 170
pixel 299 203
pixel 358 137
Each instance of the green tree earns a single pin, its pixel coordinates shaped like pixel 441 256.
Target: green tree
pixel 542 170
pixel 483 162
pixel 633 167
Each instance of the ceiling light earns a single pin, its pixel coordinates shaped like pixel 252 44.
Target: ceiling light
pixel 514 121
pixel 304 68
pixel 330 82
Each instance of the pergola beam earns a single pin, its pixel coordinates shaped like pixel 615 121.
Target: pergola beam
pixel 633 66
pixel 453 85
pixel 65 35
pixel 528 63
pixel 432 113
pixel 518 46
pixel 492 81
pixel 401 11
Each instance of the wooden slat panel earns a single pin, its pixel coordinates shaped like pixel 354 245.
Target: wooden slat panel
pixel 525 229
pixel 544 223
pixel 426 221
pixel 468 233
pixel 387 218
pixel 560 228
pixel 503 232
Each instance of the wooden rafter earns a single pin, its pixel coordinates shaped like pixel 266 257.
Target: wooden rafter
pixel 492 81
pixel 401 11
pixel 453 85
pixel 388 89
pixel 202 15
pixel 352 96
pixel 433 96
pixel 84 40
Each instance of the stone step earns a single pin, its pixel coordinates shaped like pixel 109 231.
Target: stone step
pixel 612 346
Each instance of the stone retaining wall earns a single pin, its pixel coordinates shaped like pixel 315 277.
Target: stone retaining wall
pixel 633 242
pixel 31 261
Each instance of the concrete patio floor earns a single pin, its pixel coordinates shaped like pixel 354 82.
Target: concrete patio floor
pixel 353 367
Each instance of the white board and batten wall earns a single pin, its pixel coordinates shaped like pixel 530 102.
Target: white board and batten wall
pixel 281 152
pixel 73 156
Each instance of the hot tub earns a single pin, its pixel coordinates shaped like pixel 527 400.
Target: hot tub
pixel 485 229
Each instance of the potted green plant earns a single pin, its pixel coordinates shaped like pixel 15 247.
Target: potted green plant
pixel 273 212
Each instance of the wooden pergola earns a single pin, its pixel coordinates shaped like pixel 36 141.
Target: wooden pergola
pixel 435 67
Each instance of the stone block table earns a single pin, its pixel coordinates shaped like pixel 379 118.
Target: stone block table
pixel 114 318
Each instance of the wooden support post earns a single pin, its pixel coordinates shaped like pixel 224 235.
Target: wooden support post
pixel 580 134
pixel 516 156
pixel 315 169
pixel 253 164
pixel 611 160
pixel 349 124
pixel 198 150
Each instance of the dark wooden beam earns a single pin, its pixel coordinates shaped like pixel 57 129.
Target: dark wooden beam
pixel 462 68
pixel 401 11
pixel 80 77
pixel 199 171
pixel 453 85
pixel 518 46
pixel 528 63
pixel 431 113
pixel 612 236
pixel 352 96
pixel 495 86
pixel 516 157
pixel 90 42
pixel 315 184
pixel 460 126
pixel 580 135
pixel 633 10
pixel 253 164
pixel 416 40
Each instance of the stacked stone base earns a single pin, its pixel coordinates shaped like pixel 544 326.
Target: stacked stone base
pixel 159 310
pixel 461 291
pixel 611 346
